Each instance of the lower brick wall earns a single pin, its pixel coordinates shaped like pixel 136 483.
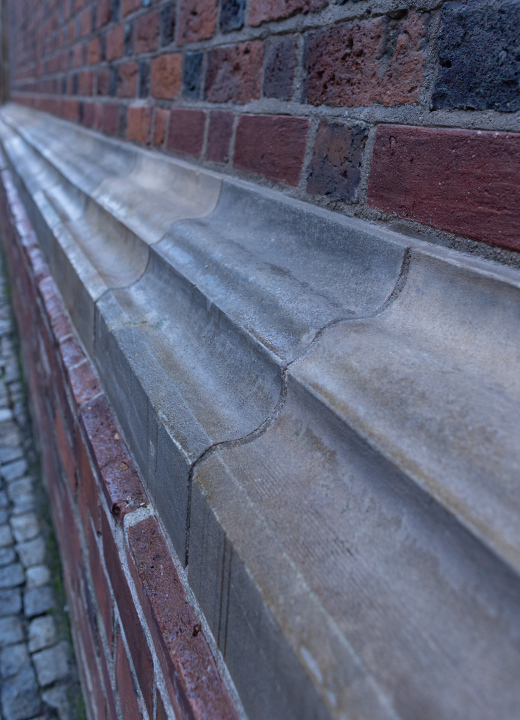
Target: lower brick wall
pixel 139 643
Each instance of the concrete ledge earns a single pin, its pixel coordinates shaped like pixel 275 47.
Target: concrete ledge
pixel 322 413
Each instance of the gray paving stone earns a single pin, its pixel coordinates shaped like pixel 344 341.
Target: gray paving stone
pixel 11 630
pixel 7 555
pixel 25 527
pixel 4 517
pixel 10 601
pixel 38 601
pixel 24 504
pixel 42 633
pixel 6 537
pixel 56 698
pixel 20 696
pixel 14 470
pixel 32 552
pixel 8 454
pixel 4 502
pixel 52 664
pixel 5 415
pixel 13 659
pixel 11 575
pixel 19 487
pixel 36 576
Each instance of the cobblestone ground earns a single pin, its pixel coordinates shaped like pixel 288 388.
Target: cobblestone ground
pixel 38 677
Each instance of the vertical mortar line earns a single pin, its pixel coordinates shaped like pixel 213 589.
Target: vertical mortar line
pixel 362 189
pixel 431 69
pixel 307 158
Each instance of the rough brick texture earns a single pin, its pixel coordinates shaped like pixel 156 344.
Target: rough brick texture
pixel 280 64
pixel 271 146
pixel 336 161
pixel 197 20
pixel 265 10
pixel 235 73
pixel 93 487
pixel 219 136
pixel 479 56
pixel 464 181
pixel 186 132
pixel 367 61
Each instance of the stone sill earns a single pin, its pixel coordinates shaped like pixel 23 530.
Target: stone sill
pixel 322 413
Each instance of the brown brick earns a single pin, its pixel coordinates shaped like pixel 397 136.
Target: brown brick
pixel 139 123
pixel 161 711
pixel 85 22
pixel 84 384
pixel 147 33
pixel 166 76
pixel 219 136
pixel 166 607
pixel 265 10
pixel 463 181
pixel 65 446
pixel 94 51
pixel 85 82
pixel 186 133
pixel 90 114
pixel 125 684
pixel 115 42
pixel 129 6
pixel 235 72
pixel 103 13
pixel 102 591
pixel 367 61
pixel 103 81
pixel 272 146
pixel 137 643
pixel 197 20
pixel 336 161
pixel 127 79
pixel 161 123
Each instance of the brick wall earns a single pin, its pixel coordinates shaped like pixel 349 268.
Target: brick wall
pixel 384 110
pixel 140 646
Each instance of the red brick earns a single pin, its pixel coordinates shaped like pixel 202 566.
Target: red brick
pixel 137 643
pixel 197 20
pixel 115 42
pixel 103 81
pixel 120 480
pixel 94 51
pixel 190 662
pixel 235 72
pixel 272 146
pixel 109 690
pixel 129 6
pixel 85 82
pixel 166 75
pixel 219 136
pixel 102 591
pixel 65 446
pixel 161 711
pixel 127 79
pixel 85 22
pixel 139 123
pixel 367 61
pixel 102 13
pixel 83 383
pixel 70 110
pixel 265 10
pixel 186 133
pixel 54 308
pixel 125 684
pixel 90 114
pixel 463 181
pixel 109 118
pixel 147 33
pixel 161 123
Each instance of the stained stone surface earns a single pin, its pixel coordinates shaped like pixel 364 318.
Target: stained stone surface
pixel 38 677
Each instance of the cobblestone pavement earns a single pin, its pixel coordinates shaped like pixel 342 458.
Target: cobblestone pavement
pixel 38 677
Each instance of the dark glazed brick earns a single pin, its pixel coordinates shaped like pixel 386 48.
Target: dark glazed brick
pixel 112 83
pixel 479 54
pixel 192 75
pixel 235 72
pixel 219 136
pixel 231 15
pixel 280 61
pixel 189 655
pixel 128 37
pixel 186 133
pixel 114 9
pixel 144 79
pixel 167 23
pixel 367 61
pixel 336 161
pixel 271 146
pixel 463 181
pixel 265 10
pixel 197 20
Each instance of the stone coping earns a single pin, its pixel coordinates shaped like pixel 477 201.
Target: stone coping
pixel 322 412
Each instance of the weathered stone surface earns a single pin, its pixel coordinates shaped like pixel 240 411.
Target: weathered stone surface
pixel 361 62
pixel 463 181
pixel 235 73
pixel 25 527
pixel 42 633
pixel 13 659
pixel 37 575
pixel 32 552
pixel 10 630
pixel 20 696
pixel 336 161
pixel 11 575
pixel 478 55
pixel 52 664
pixel 38 600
